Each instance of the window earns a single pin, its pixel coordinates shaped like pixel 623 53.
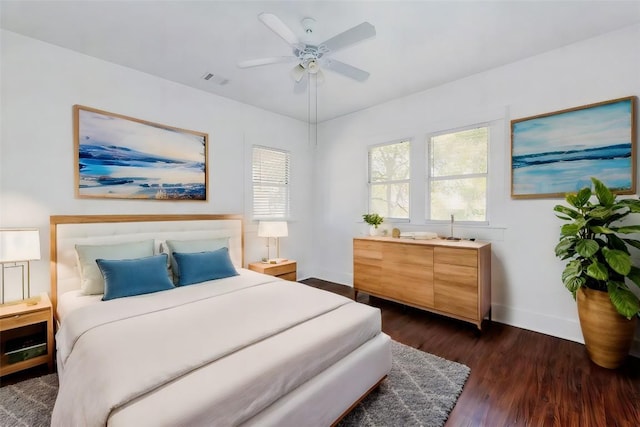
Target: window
pixel 389 180
pixel 457 181
pixel 270 183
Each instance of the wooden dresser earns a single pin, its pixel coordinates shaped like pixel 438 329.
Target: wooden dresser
pixel 452 278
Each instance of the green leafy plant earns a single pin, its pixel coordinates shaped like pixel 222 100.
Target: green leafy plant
pixel 599 258
pixel 373 219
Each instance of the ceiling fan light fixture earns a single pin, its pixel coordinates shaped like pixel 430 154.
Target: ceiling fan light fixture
pixel 313 67
pixel 297 72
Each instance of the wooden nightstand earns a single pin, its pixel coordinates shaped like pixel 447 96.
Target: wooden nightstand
pixel 284 270
pixel 23 329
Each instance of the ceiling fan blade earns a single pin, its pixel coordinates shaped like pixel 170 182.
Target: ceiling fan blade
pixel 280 28
pixel 354 35
pixel 346 70
pixel 301 85
pixel 265 61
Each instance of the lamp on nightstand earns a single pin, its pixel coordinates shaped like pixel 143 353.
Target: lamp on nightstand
pixel 275 229
pixel 19 246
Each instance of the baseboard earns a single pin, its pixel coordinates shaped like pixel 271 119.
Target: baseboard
pixel 336 277
pixel 549 325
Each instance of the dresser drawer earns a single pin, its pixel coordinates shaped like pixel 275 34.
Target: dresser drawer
pixel 456 298
pixel 365 249
pixel 397 253
pixel 23 319
pixel 456 256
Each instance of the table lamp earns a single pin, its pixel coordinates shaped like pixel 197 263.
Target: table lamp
pixel 275 229
pixel 19 246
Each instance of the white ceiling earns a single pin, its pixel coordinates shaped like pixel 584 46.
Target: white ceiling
pixel 419 44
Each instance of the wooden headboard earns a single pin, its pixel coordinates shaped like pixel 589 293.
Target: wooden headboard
pixel 69 230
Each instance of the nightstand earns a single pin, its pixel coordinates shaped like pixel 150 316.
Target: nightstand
pixel 284 270
pixel 26 335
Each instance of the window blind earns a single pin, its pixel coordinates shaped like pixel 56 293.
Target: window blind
pixel 271 179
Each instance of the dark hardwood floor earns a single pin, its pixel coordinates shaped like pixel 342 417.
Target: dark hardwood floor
pixel 518 377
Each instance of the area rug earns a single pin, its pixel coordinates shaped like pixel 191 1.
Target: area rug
pixel 28 403
pixel 421 390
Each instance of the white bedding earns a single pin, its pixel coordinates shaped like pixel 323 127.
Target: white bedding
pixel 217 353
pixel 72 300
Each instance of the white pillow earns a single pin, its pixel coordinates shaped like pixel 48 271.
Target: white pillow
pixel 91 279
pixel 190 247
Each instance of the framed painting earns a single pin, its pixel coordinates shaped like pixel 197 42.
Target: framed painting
pixel 120 157
pixel 557 153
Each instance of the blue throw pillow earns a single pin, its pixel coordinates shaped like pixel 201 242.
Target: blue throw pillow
pixel 192 246
pixel 202 266
pixel 128 277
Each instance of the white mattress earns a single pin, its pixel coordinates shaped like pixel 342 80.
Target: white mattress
pixel 237 387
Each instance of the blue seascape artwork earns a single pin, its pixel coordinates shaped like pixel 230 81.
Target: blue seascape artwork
pixel 126 158
pixel 558 153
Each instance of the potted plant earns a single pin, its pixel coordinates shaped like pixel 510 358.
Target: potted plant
pixel 374 220
pixel 600 269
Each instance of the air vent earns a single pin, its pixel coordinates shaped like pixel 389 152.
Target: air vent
pixel 214 78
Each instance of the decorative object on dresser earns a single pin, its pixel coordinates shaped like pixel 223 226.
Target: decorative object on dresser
pixel 374 220
pixel 284 270
pixel 452 278
pixel 275 229
pixel 120 157
pixel 26 335
pixel 595 243
pixel 18 247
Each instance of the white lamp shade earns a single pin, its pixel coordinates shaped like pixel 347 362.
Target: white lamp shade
pixel 19 244
pixel 272 229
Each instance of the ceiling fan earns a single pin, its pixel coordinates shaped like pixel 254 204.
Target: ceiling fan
pixel 311 58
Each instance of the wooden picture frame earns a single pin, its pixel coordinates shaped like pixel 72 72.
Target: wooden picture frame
pixel 120 157
pixel 557 153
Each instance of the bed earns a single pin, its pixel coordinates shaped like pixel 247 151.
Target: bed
pixel 243 349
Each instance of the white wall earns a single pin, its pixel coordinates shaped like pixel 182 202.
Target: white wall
pixel 526 287
pixel 41 83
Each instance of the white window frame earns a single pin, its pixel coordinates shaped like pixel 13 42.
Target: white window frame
pixel 269 213
pixel 390 182
pixel 430 179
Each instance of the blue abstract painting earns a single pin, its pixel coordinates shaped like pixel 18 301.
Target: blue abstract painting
pixel 557 153
pixel 126 158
